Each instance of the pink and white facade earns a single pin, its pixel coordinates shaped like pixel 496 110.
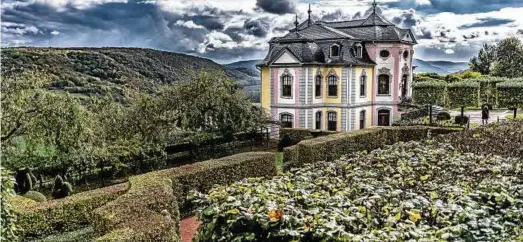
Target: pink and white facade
pixel 338 75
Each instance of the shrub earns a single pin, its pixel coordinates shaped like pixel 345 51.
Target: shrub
pixel 24 181
pixel 35 196
pixel 295 135
pixel 407 192
pixel 463 94
pixel 431 92
pixel 461 120
pixel 500 139
pixel 9 224
pixel 151 209
pixel 61 189
pixel 510 94
pixel 443 116
pixel 66 214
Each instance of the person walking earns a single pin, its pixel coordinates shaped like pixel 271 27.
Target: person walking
pixel 485 114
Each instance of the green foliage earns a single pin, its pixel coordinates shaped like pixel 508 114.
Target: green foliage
pixel 61 188
pixel 510 94
pixel 150 210
pixel 297 135
pixel 452 78
pixel 432 92
pixel 332 147
pixel 423 77
pixel 24 181
pixel 464 93
pixel 35 196
pixel 470 74
pixel 9 223
pixel 484 62
pixel 410 191
pixel 485 140
pixel 70 213
pixel 443 116
pixel 509 61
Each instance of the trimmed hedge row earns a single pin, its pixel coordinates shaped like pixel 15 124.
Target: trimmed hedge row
pixel 37 219
pixel 429 92
pixel 297 135
pixel 465 93
pixel 329 148
pixel 151 209
pixel 510 94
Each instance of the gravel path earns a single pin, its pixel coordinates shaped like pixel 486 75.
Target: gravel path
pixel 188 227
pixel 475 115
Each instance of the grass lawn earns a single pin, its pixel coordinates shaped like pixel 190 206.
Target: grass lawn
pixel 518 117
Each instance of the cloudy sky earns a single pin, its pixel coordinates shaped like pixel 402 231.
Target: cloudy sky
pixel 232 30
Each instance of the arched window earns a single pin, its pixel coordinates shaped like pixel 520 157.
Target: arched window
pixel 404 82
pixel 363 85
pixel 333 85
pixel 383 84
pixel 362 119
pixel 359 50
pixel 383 117
pixel 317 87
pixel 286 85
pixel 286 120
pixel 335 50
pixel 405 54
pixel 332 121
pixel 318 120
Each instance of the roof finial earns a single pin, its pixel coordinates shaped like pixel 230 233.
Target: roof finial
pixel 296 23
pixel 309 20
pixel 374 5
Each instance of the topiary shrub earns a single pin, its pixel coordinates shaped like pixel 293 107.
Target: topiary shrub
pixel 461 120
pixel 430 92
pixel 443 116
pixel 285 141
pixel 61 188
pixel 24 181
pixel 35 196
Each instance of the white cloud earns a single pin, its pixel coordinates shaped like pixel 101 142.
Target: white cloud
pixel 189 24
pixel 55 32
pixel 449 51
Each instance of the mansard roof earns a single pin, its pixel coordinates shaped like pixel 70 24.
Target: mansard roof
pixel 310 41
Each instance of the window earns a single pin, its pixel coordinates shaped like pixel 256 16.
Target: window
pixel 383 84
pixel 359 51
pixel 383 118
pixel 317 87
pixel 332 121
pixel 333 85
pixel 404 80
pixel 286 85
pixel 318 120
pixel 384 54
pixel 362 119
pixel 406 54
pixel 363 85
pixel 335 50
pixel 286 120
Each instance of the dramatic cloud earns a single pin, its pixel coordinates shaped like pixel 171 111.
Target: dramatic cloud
pixel 277 6
pixel 230 30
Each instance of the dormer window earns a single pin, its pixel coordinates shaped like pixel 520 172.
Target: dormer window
pixel 359 50
pixel 335 50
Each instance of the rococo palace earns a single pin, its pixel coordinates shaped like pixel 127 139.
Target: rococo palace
pixel 338 76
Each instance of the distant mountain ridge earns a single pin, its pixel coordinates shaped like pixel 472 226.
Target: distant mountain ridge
pixel 440 67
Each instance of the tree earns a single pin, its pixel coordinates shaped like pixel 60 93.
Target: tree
pixel 484 62
pixel 509 58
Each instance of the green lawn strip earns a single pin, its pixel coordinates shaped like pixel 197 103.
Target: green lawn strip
pixel 279 162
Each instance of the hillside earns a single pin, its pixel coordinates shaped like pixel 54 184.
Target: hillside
pixel 440 67
pixel 94 71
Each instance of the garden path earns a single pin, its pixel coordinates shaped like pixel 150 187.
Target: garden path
pixel 475 115
pixel 188 228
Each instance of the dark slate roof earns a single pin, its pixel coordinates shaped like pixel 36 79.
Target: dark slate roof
pixel 310 43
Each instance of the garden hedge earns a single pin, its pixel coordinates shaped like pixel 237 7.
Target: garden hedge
pixel 151 209
pixel 465 93
pixel 65 214
pixel 297 135
pixel 329 148
pixel 510 94
pixel 429 92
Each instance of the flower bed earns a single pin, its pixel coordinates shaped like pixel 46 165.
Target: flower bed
pixel 408 191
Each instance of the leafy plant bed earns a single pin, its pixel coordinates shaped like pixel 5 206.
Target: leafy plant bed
pixel 409 191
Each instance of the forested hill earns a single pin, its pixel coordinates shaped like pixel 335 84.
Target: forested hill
pixel 91 71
